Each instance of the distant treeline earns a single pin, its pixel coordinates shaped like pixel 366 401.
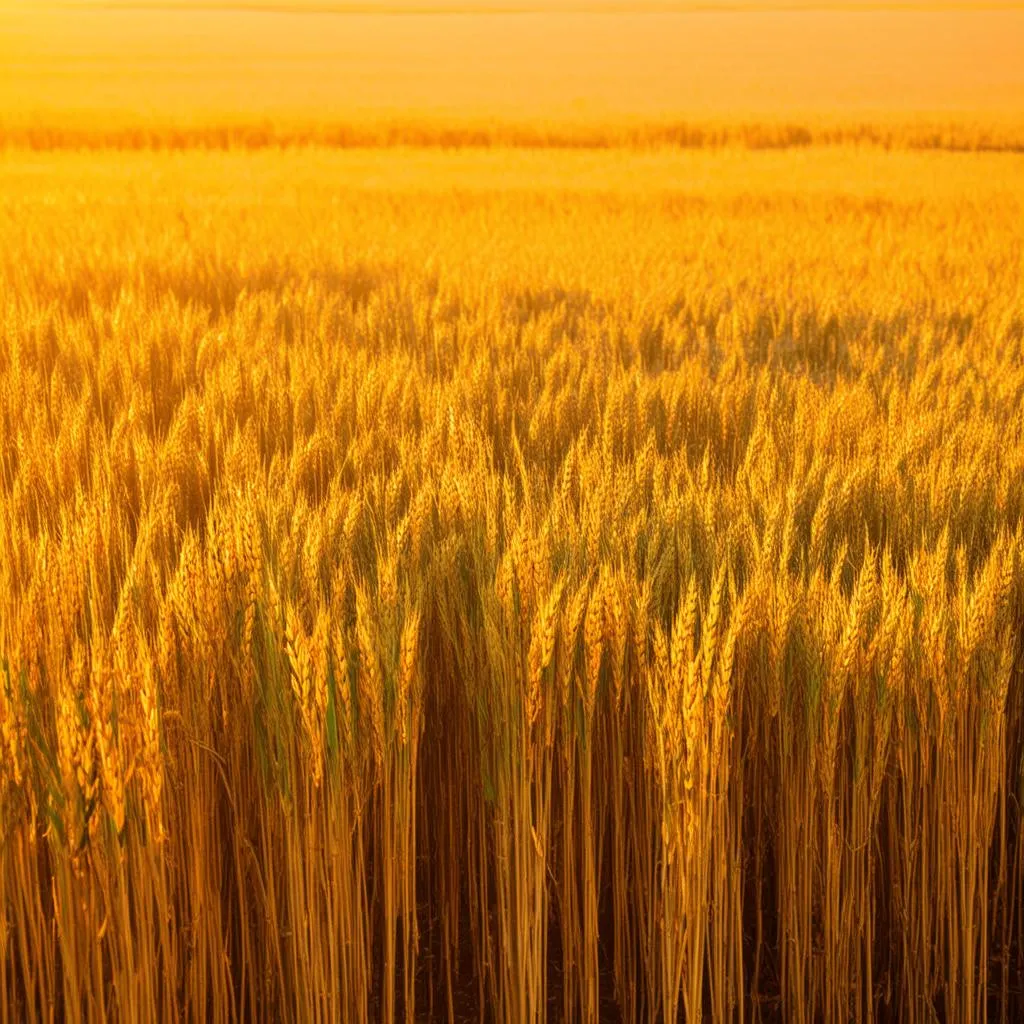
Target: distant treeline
pixel 963 136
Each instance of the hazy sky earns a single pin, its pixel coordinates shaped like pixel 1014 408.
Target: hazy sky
pixel 183 58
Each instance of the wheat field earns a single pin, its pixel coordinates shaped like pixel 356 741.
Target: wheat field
pixel 512 584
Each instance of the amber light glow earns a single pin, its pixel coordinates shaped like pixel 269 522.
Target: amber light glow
pixel 511 513
pixel 514 59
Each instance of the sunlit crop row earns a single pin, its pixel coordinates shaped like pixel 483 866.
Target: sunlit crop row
pixel 516 585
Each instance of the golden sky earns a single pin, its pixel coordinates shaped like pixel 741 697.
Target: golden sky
pixel 519 58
